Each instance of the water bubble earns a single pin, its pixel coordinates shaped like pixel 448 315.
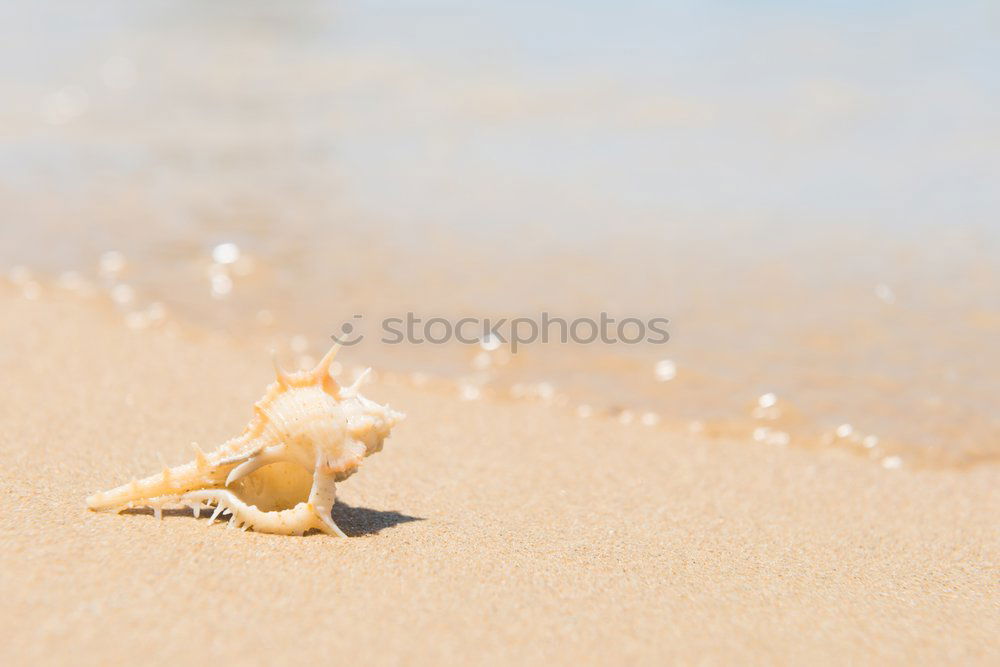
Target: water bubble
pixel 892 462
pixel 545 390
pixel 222 285
pixel 306 362
pixel 19 275
pixel 336 368
pixel 490 343
pixel 265 317
pixel 844 431
pixel 469 392
pixel 771 436
pixel 481 361
pixel 122 294
pixel 31 290
pixel 885 294
pixel 419 379
pixel 870 441
pixel 63 105
pixel 768 400
pixel 650 419
pixel 156 312
pixel 696 426
pixel 626 417
pixel 111 263
pixel 665 370
pixel 583 411
pixel 226 253
pixel 136 320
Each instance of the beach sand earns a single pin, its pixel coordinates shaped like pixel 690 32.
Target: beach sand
pixel 486 532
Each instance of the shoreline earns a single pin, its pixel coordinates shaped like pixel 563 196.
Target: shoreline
pixel 777 424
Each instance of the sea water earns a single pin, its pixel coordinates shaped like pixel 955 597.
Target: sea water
pixel 808 195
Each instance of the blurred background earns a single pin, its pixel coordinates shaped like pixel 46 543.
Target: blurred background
pixel 807 193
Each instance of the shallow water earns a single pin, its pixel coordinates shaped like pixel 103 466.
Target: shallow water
pixel 807 196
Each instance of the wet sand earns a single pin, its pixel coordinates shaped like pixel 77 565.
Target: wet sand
pixel 486 531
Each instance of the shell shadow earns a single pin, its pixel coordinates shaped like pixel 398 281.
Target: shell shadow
pixel 356 521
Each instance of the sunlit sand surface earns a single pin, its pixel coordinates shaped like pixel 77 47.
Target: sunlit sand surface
pixel 485 531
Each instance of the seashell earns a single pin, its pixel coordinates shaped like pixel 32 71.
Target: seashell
pixel 279 475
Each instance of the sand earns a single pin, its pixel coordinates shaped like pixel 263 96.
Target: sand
pixel 485 532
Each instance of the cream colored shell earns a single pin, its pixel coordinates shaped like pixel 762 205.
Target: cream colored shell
pixel 279 475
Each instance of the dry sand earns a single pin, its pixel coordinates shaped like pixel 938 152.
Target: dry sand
pixel 485 532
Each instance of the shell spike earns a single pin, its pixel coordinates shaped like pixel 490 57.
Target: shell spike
pixel 283 378
pixel 356 385
pixel 322 370
pixel 201 463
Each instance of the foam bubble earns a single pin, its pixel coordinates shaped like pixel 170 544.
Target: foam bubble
pixel 665 370
pixel 226 253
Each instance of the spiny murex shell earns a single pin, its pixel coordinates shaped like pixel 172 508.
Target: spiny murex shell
pixel 279 475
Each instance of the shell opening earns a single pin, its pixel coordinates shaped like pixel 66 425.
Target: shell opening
pixel 277 486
